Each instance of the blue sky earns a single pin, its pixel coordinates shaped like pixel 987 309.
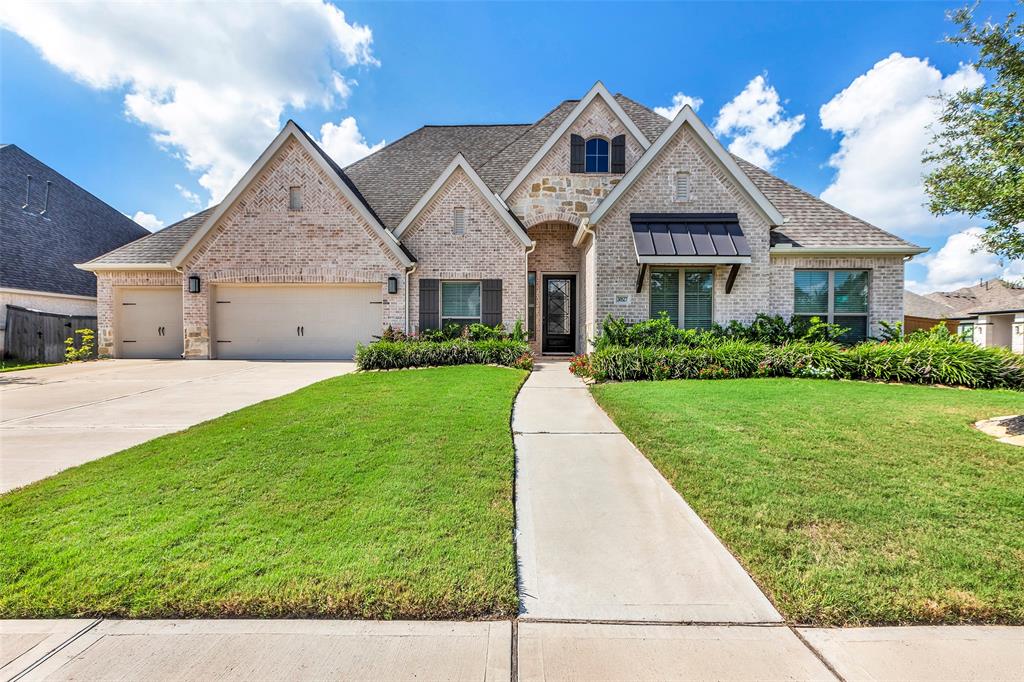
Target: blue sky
pixel 154 106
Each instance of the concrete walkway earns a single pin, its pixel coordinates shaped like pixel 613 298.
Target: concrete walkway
pixel 54 418
pixel 601 534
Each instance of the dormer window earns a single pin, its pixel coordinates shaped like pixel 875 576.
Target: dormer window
pixel 294 198
pixel 596 155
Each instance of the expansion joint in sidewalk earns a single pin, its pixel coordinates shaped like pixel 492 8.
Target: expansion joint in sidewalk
pixel 49 654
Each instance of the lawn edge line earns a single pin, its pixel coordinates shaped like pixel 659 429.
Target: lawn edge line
pixel 50 654
pixel 768 594
pixel 820 656
pixel 515 516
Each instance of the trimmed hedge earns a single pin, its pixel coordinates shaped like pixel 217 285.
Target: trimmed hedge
pixel 925 361
pixel 403 354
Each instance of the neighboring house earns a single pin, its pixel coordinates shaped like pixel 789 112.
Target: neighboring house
pixel 922 313
pixel 601 207
pixel 47 225
pixel 992 312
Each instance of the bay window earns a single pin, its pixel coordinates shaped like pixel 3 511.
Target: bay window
pixel 684 295
pixel 836 296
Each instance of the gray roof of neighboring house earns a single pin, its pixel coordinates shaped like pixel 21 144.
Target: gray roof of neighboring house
pixel 994 295
pixel 916 305
pixel 40 249
pixel 391 180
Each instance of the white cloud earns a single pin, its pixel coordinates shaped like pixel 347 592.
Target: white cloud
pixel 210 80
pixel 148 220
pixel 344 143
pixel 188 195
pixel 757 123
pixel 679 100
pixel 954 265
pixel 883 118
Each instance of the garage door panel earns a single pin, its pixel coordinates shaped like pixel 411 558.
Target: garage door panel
pixel 294 322
pixel 149 322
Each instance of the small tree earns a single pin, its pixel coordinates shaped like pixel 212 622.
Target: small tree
pixel 978 146
pixel 85 351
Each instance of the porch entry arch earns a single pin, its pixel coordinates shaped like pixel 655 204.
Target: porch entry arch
pixel 554 282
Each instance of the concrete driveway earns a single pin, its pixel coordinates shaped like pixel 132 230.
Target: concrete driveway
pixel 59 417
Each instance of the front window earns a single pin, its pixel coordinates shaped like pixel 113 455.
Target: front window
pixel 685 295
pixel 597 155
pixel 531 303
pixel 460 303
pixel 836 296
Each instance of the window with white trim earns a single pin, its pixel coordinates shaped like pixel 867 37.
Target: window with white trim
pixel 685 295
pixel 459 220
pixel 682 188
pixel 294 198
pixel 836 296
pixel 460 303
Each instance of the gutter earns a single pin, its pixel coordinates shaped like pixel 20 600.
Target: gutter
pixel 846 251
pixel 124 267
pixel 583 231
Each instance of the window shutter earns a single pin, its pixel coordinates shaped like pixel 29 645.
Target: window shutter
pixel 619 154
pixel 665 295
pixel 430 299
pixel 490 303
pixel 577 153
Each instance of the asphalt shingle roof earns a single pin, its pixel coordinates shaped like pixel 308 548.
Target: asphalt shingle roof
pixel 990 296
pixel 916 305
pixel 391 180
pixel 158 247
pixel 40 249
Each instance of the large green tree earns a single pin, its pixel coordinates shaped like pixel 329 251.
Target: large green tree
pixel 977 151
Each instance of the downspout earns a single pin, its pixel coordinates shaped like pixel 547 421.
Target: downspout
pixel 408 273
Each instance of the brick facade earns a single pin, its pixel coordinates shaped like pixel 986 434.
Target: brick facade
pixel 487 249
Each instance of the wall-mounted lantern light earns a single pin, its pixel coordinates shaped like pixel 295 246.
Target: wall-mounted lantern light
pixel 392 285
pixel 193 284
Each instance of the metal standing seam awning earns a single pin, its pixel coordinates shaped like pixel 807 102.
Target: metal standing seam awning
pixel 689 239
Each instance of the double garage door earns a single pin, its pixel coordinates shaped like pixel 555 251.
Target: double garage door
pixel 299 322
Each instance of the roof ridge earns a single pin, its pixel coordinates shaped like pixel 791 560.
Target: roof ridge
pixel 525 132
pixel 820 200
pixel 471 125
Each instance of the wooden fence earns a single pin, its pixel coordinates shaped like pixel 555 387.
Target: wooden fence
pixel 35 336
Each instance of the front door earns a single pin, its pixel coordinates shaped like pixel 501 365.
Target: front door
pixel 559 314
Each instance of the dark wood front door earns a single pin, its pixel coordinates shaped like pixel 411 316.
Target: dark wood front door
pixel 559 314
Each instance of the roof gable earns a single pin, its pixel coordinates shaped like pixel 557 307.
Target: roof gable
pixel 348 189
pixel 686 116
pixel 495 202
pixel 599 90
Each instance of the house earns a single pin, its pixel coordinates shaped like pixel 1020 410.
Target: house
pixel 49 224
pixel 992 312
pixel 921 313
pixel 602 207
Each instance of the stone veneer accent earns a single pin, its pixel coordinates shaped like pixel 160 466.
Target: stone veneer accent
pixel 711 191
pixel 260 240
pixel 486 250
pixel 106 300
pixel 885 290
pixel 554 255
pixel 551 192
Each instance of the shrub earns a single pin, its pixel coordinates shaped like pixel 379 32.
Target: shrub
pixel 773 330
pixel 86 349
pixel 737 358
pixel 420 353
pixel 818 359
pixel 928 360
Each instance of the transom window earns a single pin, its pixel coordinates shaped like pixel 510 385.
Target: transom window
pixel 596 155
pixel 836 296
pixel 460 303
pixel 531 303
pixel 683 294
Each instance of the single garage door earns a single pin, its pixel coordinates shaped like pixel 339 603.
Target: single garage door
pixel 149 322
pixel 294 322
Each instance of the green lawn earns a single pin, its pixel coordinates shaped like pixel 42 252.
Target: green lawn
pixel 379 495
pixel 849 502
pixel 12 365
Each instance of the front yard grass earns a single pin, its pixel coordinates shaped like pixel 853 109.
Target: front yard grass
pixel 14 365
pixel 850 503
pixel 379 495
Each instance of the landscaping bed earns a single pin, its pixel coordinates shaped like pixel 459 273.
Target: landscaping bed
pixel 376 495
pixel 475 344
pixel 850 503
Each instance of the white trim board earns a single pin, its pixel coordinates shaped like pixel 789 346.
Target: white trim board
pixel 123 267
pixel 694 260
pixel 46 294
pixel 847 251
pixel 688 116
pixel 495 202
pixel 290 130
pixel 599 90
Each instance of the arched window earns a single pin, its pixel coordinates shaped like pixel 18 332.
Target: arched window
pixel 597 155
